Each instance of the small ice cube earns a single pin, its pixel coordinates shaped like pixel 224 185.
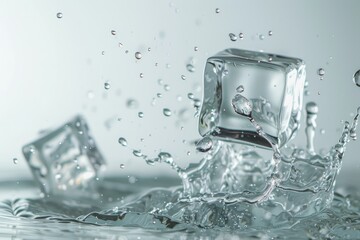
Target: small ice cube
pixel 274 87
pixel 65 161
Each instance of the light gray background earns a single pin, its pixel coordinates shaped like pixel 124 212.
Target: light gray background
pixel 48 66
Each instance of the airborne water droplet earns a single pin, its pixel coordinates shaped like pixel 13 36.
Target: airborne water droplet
pixel 122 166
pixel 122 141
pixel 59 15
pixel 137 153
pixel 217 10
pixel 261 37
pixel 113 32
pixel 233 37
pixel 270 33
pixel 141 75
pixel 183 77
pixel 167 112
pixel 240 89
pixel 356 78
pixel 204 144
pixel 196 49
pixel 15 160
pixel 190 67
pixel 241 36
pixel 138 55
pixel 132 103
pixel 140 114
pixel 107 85
pixel 321 72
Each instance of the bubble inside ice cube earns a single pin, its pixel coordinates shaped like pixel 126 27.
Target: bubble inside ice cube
pixel 277 110
pixel 66 160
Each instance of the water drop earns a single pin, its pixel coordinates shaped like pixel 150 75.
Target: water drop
pixel 59 15
pixel 149 49
pixel 166 87
pixel 132 179
pixel 270 59
pixel 15 160
pixel 167 112
pixel 122 166
pixel 107 86
pixel 261 37
pixel 321 72
pixel 240 89
pixel 138 55
pixel 183 77
pixel 165 157
pixel 90 94
pixel 241 36
pixel 122 141
pixel 233 37
pixel 132 103
pixel 190 67
pixel 204 144
pixel 113 32
pixel 141 75
pixel 196 49
pixel 159 95
pixel 188 153
pixel 217 10
pixel 356 78
pixel 190 95
pixel 137 153
pixel 140 114
pixel 270 33
pixel 322 131
pixel 242 105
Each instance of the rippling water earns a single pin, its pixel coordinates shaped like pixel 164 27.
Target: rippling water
pixel 122 208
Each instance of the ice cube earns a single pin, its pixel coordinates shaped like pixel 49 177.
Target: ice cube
pixel 66 160
pixel 274 84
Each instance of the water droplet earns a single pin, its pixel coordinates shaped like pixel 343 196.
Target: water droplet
pixel 204 144
pixel 149 49
pixel 190 95
pixel 356 78
pixel 188 153
pixel 196 49
pixel 103 53
pixel 137 153
pixel 322 131
pixel 217 10
pixel 261 37
pixel 167 112
pixel 183 77
pixel 159 95
pixel 270 59
pixel 233 37
pixel 132 103
pixel 242 105
pixel 166 87
pixel 138 55
pixel 270 33
pixel 15 160
pixel 321 72
pixel 165 157
pixel 113 32
pixel 241 36
pixel 107 86
pixel 90 94
pixel 122 141
pixel 132 179
pixel 190 67
pixel 318 92
pixel 141 75
pixel 168 65
pixel 59 15
pixel 240 89
pixel 120 44
pixel 122 166
pixel 140 114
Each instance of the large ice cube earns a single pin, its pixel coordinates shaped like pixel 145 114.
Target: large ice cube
pixel 65 160
pixel 273 83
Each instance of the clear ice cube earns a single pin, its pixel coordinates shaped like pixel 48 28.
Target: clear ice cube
pixel 273 83
pixel 65 160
